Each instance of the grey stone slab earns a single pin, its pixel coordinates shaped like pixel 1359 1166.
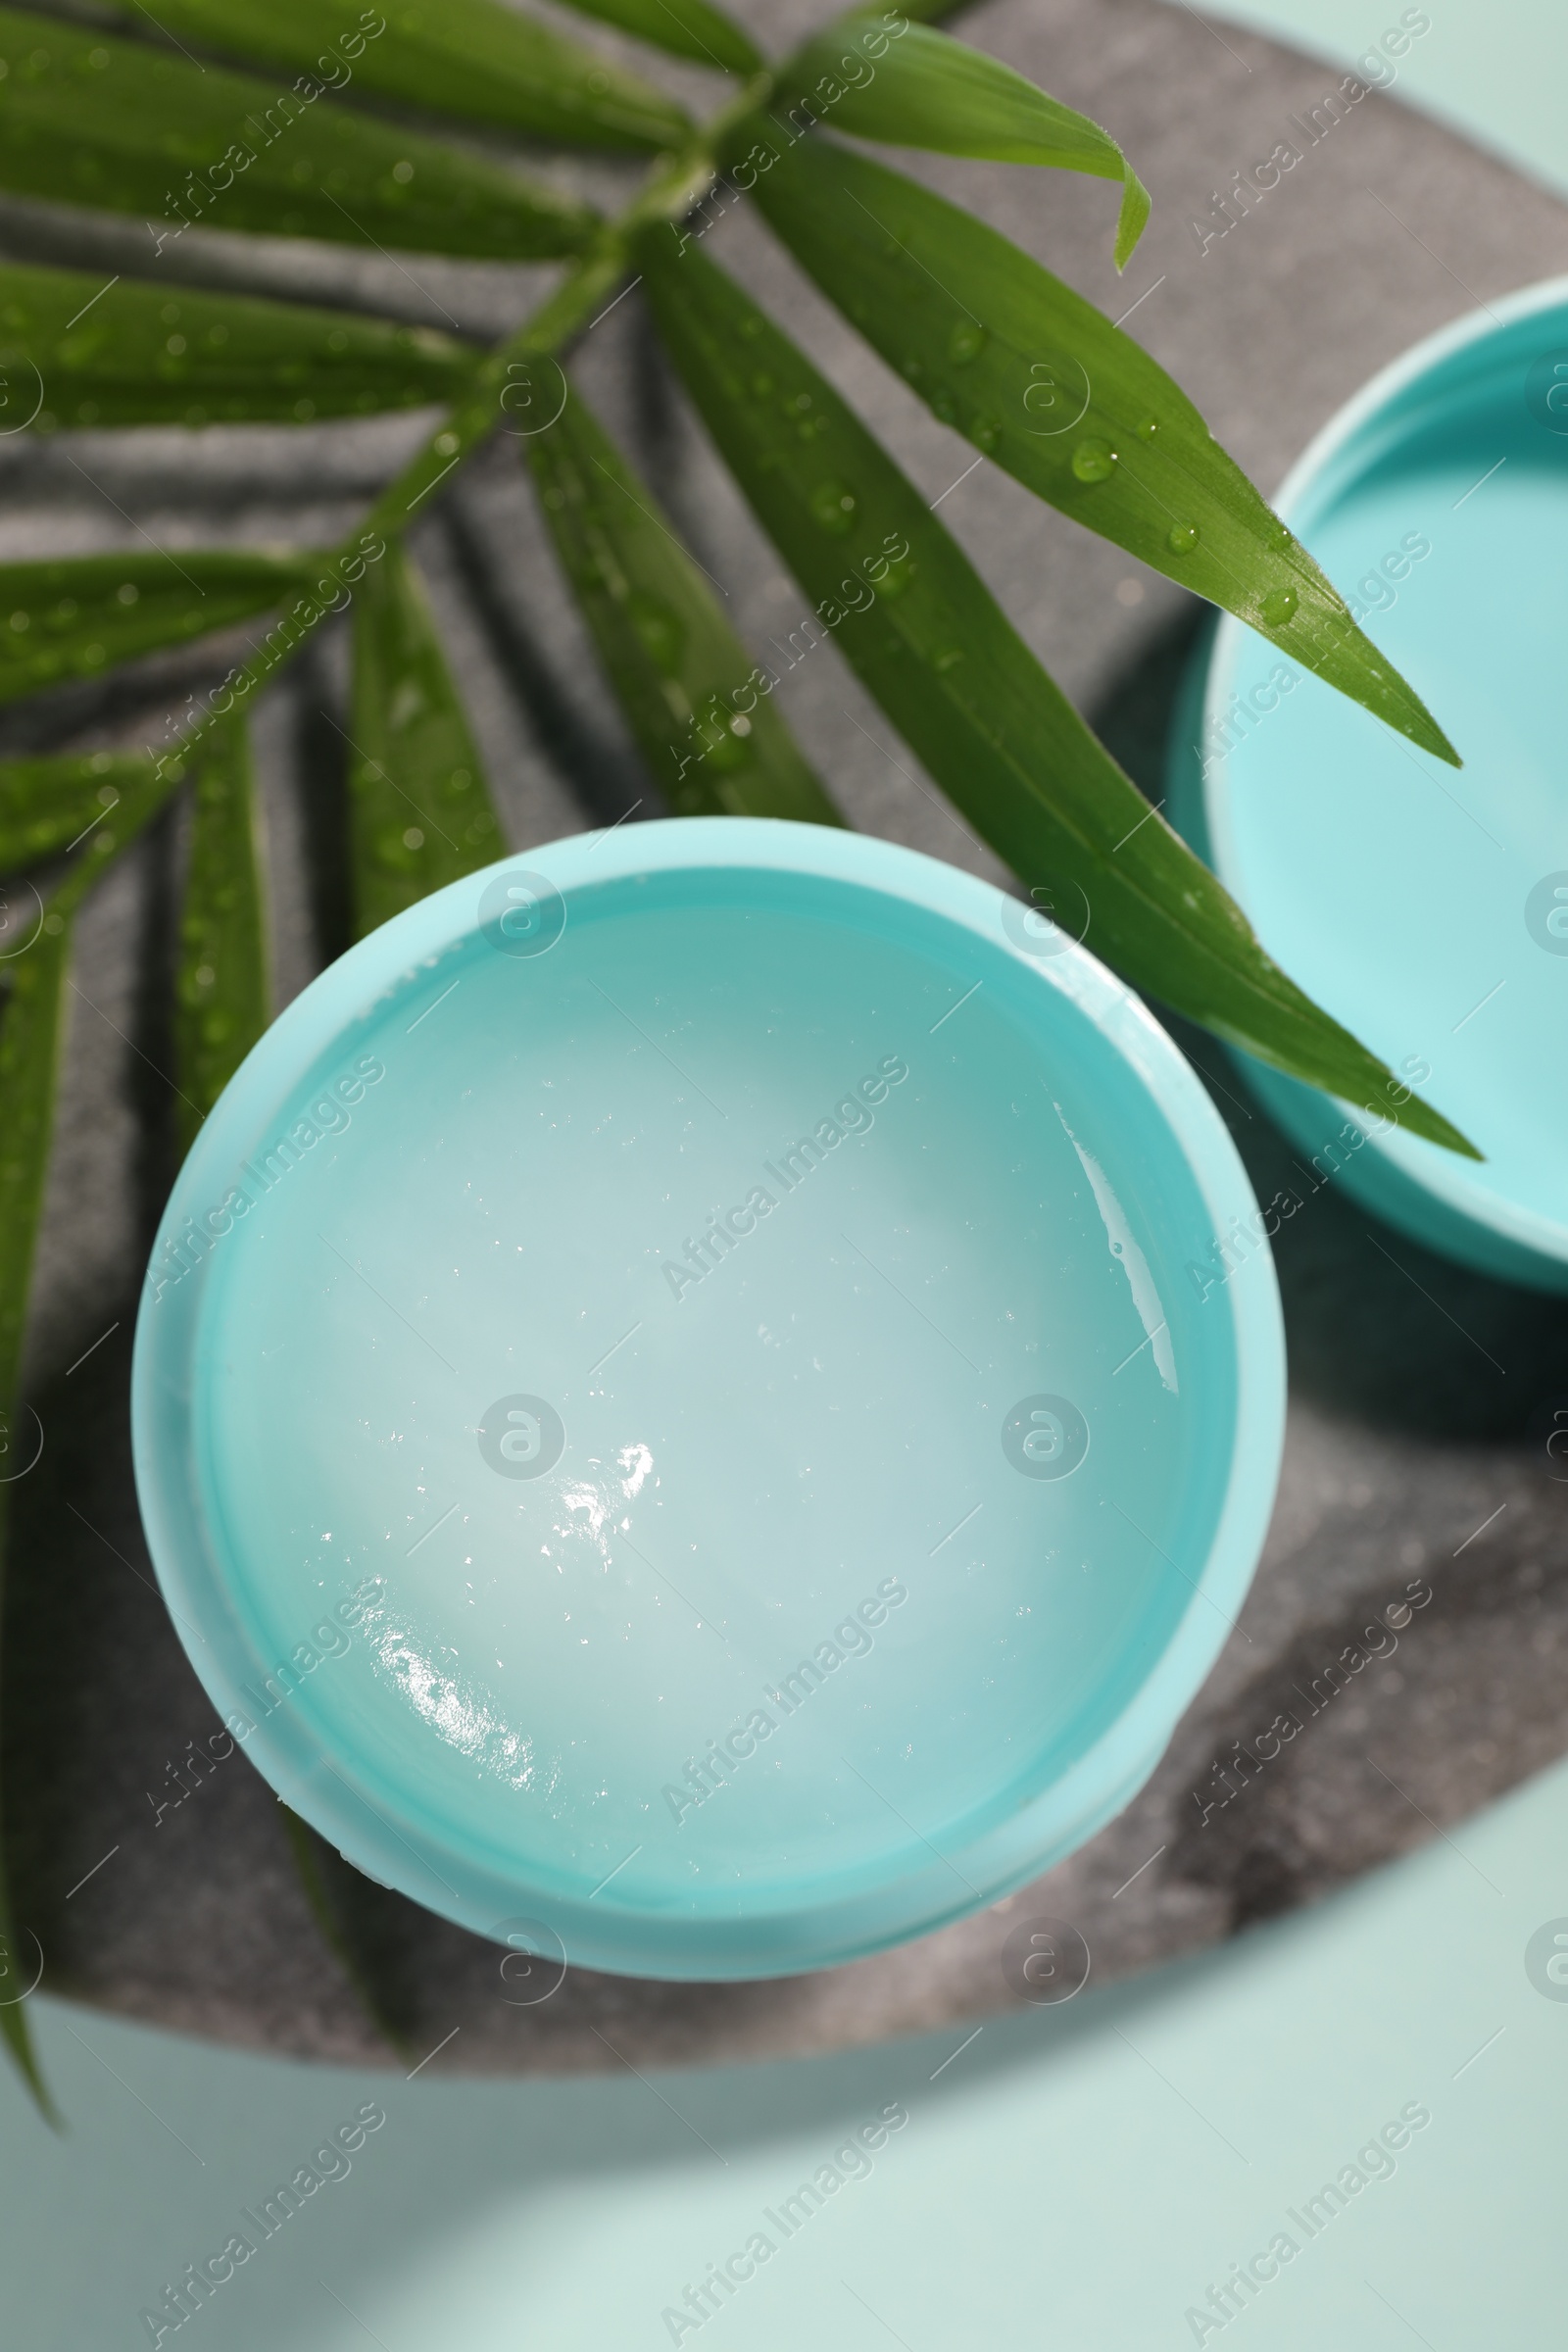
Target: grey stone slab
pixel 1421 1396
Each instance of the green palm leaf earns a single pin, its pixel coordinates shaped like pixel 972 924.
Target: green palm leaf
pixel 221 998
pixel 935 12
pixel 697 704
pixel 685 27
pixel 1043 384
pixel 29 1036
pixel 222 1007
pixel 86 119
pixel 1000 348
pixel 139 354
pixel 325 1879
pixel 466 58
pixel 917 88
pixel 31 1041
pixel 922 632
pixel 29 1057
pixel 77 618
pixel 46 806
pixel 419 809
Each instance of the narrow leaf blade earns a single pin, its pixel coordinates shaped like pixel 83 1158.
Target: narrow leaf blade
pixel 316 1864
pixel 29 1040
pixel 221 1007
pixel 921 88
pixel 932 646
pixel 685 27
pixel 222 996
pixel 32 1029
pixel 137 354
pixel 469 59
pixel 15 1955
pixel 46 806
pixel 79 617
pixel 90 120
pixel 420 813
pixel 1046 386
pixel 695 701
pixel 29 1057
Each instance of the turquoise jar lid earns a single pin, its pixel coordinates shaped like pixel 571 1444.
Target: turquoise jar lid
pixel 674 1408
pixel 1427 908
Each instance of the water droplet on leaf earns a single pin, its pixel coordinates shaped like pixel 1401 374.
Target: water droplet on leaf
pixel 1278 605
pixel 832 507
pixel 391 850
pixel 723 750
pixel 1094 461
pixel 1182 538
pixel 965 342
pixel 658 632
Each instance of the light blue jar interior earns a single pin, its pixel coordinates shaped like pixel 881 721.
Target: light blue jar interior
pixel 1426 907
pixel 694 1367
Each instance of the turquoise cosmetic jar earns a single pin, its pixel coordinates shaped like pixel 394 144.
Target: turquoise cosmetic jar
pixel 1427 908
pixel 677 1408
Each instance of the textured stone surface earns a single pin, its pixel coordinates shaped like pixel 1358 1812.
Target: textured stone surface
pixel 1421 1396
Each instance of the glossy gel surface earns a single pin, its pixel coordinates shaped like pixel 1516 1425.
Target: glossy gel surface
pixel 719 1331
pixel 1426 907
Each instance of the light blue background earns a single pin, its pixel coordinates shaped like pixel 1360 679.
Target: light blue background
pixel 1499 74
pixel 1076 2177
pixel 1073 2177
